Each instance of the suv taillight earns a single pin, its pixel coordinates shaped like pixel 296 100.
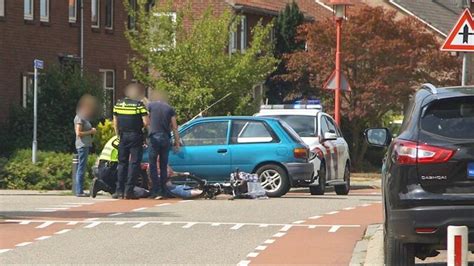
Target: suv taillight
pixel 408 152
pixel 301 153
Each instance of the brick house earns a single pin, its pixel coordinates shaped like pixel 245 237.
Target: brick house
pixel 51 31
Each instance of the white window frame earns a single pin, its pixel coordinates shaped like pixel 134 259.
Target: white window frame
pixel 2 8
pixel 24 87
pixel 103 73
pixel 173 19
pixel 31 15
pixel 73 18
pixel 111 27
pixel 44 18
pixel 243 33
pixel 233 42
pixel 97 2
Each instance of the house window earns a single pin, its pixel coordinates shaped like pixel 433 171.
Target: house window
pixel 95 13
pixel 28 10
pixel 108 84
pixel 243 33
pixel 2 8
pixel 132 21
pixel 27 88
pixel 72 7
pixel 233 41
pixel 164 31
pixel 109 14
pixel 44 10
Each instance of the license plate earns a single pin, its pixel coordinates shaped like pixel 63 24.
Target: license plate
pixel 470 170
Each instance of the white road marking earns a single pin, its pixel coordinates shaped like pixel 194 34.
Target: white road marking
pixel 269 241
pixel 4 250
pixel 104 200
pixel 115 214
pixel 140 225
pixel 92 219
pixel 62 231
pixel 45 224
pixel 334 228
pixel 365 205
pixel 167 223
pixel 252 254
pixel 261 248
pixel 119 223
pixel 243 263
pixel 263 225
pixel 215 224
pixel 162 204
pixel 333 212
pixel 51 208
pixel 349 208
pixel 299 222
pixel 79 203
pixel 188 225
pixel 25 222
pixel 72 223
pixel 91 225
pixel 312 226
pixel 315 217
pixel 42 237
pixel 183 201
pixel 23 244
pixel 236 227
pixel 286 228
pixel 139 209
pixel 280 234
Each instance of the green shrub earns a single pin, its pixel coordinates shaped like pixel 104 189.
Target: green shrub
pixel 53 170
pixel 105 131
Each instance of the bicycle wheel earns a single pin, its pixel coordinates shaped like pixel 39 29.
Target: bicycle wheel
pixel 185 186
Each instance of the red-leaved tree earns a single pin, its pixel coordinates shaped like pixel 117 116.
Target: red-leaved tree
pixel 384 58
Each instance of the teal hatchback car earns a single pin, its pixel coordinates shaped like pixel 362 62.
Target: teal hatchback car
pixel 213 147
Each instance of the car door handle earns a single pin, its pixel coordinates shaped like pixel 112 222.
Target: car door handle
pixel 222 151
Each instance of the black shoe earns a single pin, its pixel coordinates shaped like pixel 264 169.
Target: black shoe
pixel 117 196
pixel 94 187
pixel 131 197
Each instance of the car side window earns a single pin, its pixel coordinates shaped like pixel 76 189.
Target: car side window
pixel 332 126
pixel 207 133
pixel 244 131
pixel 324 125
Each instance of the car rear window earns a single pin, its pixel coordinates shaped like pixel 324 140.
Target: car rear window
pixel 305 126
pixel 452 118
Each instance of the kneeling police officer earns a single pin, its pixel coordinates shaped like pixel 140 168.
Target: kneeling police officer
pixel 130 120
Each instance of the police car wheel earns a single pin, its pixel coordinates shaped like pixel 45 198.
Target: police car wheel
pixel 344 189
pixel 321 188
pixel 274 180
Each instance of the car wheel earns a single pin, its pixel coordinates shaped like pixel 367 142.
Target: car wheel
pixel 274 180
pixel 321 188
pixel 397 253
pixel 344 189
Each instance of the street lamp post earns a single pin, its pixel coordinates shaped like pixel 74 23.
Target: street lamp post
pixel 339 8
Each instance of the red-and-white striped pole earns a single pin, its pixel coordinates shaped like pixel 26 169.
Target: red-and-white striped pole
pixel 457 245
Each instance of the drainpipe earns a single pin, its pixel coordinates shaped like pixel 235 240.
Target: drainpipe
pixel 82 37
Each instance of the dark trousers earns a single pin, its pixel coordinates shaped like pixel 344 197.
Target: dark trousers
pixel 130 151
pixel 108 175
pixel 160 147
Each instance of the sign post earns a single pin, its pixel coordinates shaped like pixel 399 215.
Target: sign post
pixel 37 64
pixel 461 39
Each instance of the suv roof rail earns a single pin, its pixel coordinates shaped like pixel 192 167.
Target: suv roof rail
pixel 430 87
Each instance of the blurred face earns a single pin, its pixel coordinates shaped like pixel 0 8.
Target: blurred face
pixel 88 106
pixel 134 91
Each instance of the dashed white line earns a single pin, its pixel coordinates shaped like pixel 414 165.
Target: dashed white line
pixel 42 237
pixel 279 234
pixel 243 263
pixel 299 222
pixel 252 254
pixel 23 244
pixel 25 222
pixel 162 204
pixel 45 224
pixel 4 250
pixel 140 225
pixel 184 201
pixel 72 223
pixel 188 225
pixel 269 241
pixel 167 223
pixel 334 228
pixel 365 205
pixel 92 219
pixel 119 223
pixel 215 224
pixel 261 248
pixel 236 227
pixel 62 231
pixel 286 228
pixel 333 212
pixel 139 209
pixel 263 225
pixel 115 214
pixel 91 225
pixel 314 217
pixel 349 208
pixel 312 226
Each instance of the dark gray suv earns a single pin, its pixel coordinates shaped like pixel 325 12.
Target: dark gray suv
pixel 428 173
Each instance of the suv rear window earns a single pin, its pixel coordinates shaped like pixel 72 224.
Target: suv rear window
pixel 289 130
pixel 452 118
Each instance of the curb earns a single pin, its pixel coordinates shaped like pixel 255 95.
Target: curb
pixel 369 250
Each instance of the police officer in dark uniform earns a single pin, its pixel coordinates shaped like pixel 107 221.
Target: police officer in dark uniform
pixel 130 118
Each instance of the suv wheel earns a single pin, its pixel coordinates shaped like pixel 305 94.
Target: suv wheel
pixel 397 253
pixel 321 188
pixel 344 189
pixel 274 180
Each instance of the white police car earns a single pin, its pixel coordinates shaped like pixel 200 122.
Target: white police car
pixel 319 131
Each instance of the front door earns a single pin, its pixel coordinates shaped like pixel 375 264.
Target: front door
pixel 205 151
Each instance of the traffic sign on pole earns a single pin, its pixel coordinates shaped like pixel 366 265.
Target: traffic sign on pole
pixel 39 64
pixel 330 83
pixel 461 38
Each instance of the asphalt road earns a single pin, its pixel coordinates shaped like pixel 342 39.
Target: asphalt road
pixel 43 229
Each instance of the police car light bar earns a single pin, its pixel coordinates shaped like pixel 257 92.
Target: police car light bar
pixel 292 106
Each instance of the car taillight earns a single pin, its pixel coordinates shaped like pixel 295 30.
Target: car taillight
pixel 408 152
pixel 301 153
